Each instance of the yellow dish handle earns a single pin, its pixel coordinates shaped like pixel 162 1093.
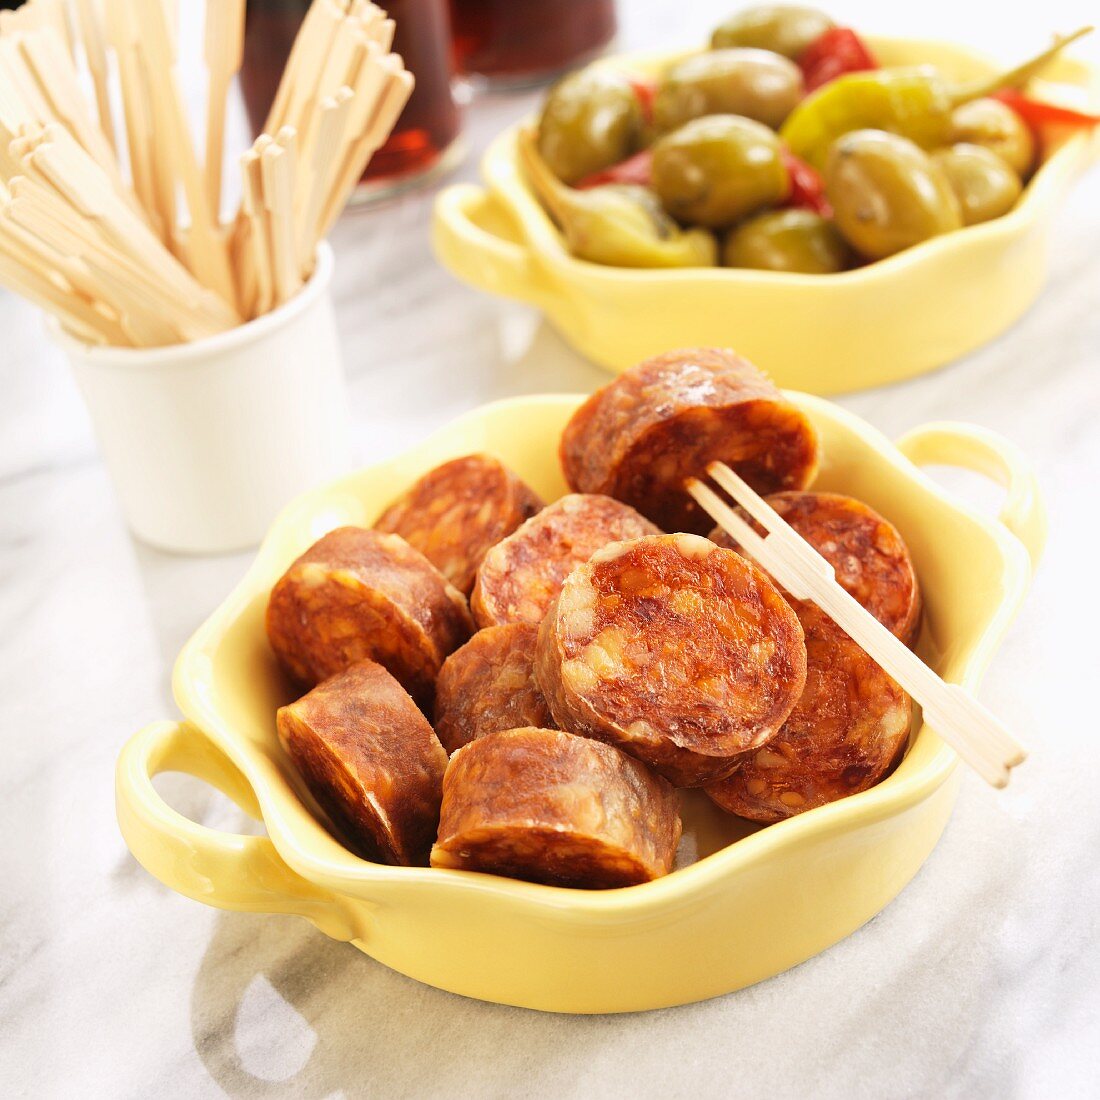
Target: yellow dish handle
pixel 464 241
pixel 227 870
pixel 950 443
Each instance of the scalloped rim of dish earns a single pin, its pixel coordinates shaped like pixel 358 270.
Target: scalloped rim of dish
pixel 341 870
pixel 501 170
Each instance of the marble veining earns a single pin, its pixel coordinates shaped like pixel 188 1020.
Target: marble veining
pixel 981 980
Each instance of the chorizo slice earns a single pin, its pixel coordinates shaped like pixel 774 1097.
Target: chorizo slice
pixel 867 553
pixel 677 651
pixel 455 512
pixel 489 685
pixel 521 576
pixel 370 759
pixel 848 730
pixel 639 437
pixel 356 594
pixel 546 806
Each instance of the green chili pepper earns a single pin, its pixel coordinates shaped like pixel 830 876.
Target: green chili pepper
pixel 915 102
pixel 622 225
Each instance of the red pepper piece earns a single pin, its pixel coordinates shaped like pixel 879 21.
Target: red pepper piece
pixel 635 169
pixel 645 89
pixel 833 53
pixel 807 188
pixel 1035 112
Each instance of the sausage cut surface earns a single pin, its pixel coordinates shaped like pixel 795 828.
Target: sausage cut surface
pixel 457 511
pixel 358 594
pixel 371 760
pixel 867 553
pixel 643 434
pixel 848 730
pixel 521 576
pixel 546 806
pixel 677 651
pixel 489 685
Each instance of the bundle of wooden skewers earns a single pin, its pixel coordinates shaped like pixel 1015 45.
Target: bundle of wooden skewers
pixel 119 235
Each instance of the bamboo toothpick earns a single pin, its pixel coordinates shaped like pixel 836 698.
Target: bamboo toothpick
pixel 122 34
pixel 277 167
pixel 398 85
pixel 964 723
pixel 207 247
pixel 317 174
pixel 140 257
pixel 223 52
pixel 90 22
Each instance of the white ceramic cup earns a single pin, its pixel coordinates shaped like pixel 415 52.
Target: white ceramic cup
pixel 206 441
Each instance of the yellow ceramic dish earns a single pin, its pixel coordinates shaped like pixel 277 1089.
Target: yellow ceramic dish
pixel 825 334
pixel 746 904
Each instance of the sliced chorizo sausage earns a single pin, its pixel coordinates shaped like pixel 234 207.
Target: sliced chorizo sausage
pixel 848 730
pixel 677 651
pixel 550 807
pixel 867 554
pixel 455 512
pixel 642 435
pixel 520 577
pixel 370 759
pixel 489 685
pixel 356 594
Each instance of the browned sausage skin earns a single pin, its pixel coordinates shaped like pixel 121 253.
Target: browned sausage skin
pixel 521 576
pixel 867 554
pixel 457 511
pixel 489 685
pixel 550 807
pixel 643 434
pixel 677 651
pixel 359 594
pixel 848 730
pixel 371 760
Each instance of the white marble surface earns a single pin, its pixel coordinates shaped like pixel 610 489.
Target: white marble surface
pixel 982 979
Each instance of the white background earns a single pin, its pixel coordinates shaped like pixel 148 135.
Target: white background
pixel 980 980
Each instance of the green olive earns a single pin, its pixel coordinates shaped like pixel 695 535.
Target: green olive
pixel 591 120
pixel 984 184
pixel 887 193
pixel 995 125
pixel 781 28
pixel 753 83
pixel 787 240
pixel 715 170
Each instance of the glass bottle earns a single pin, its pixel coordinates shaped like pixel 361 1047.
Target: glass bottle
pixel 517 43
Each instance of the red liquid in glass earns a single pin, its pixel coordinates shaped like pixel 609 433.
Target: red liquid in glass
pixel 516 40
pixel 430 121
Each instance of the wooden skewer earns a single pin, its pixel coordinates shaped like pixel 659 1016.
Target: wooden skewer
pixel 258 234
pixel 95 53
pixel 206 244
pixel 50 252
pixel 307 59
pixel 969 727
pixel 78 317
pixel 332 121
pixel 277 173
pixel 78 244
pixel 224 52
pixel 66 168
pixel 397 91
pixel 36 108
pixel 52 68
pixel 122 34
pixel 49 15
pixel 106 256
